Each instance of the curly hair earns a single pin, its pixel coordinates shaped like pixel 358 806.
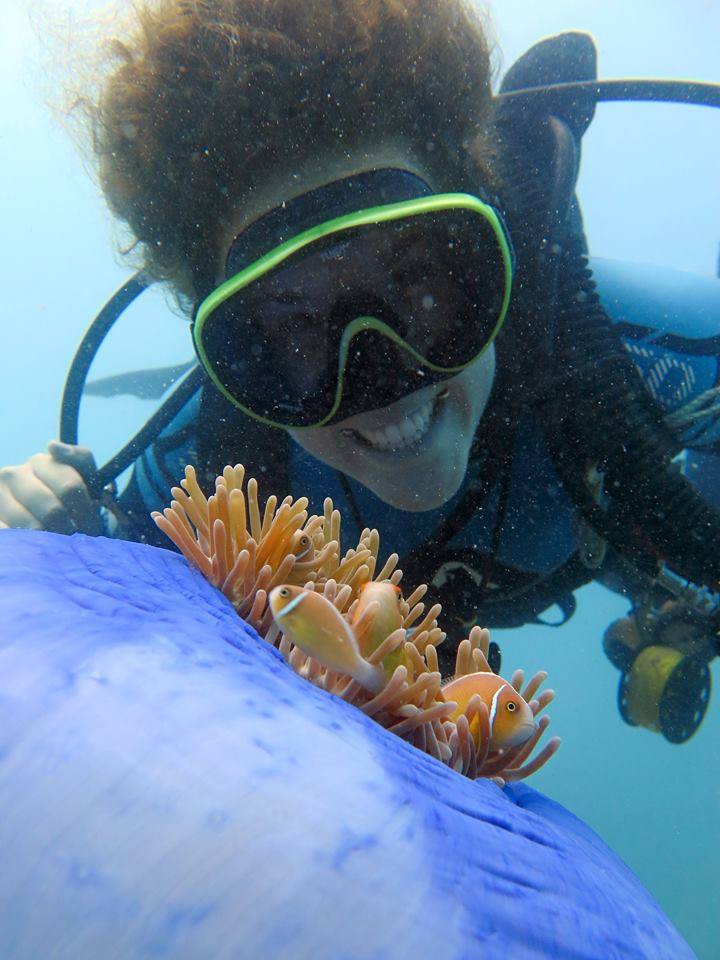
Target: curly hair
pixel 199 99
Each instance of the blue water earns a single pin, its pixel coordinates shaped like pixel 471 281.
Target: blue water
pixel 649 191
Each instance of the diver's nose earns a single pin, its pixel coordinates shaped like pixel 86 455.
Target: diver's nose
pixel 414 330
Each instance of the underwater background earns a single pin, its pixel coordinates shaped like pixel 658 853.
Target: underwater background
pixel 649 190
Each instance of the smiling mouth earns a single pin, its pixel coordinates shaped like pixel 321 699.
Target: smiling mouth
pixel 403 434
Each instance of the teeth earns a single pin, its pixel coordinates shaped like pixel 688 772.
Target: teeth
pixel 405 433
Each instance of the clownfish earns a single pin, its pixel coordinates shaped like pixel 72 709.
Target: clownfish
pixel 386 620
pixel 511 719
pixel 317 627
pixel 302 546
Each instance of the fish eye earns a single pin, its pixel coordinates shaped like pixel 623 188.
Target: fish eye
pixel 511 706
pixel 304 540
pixel 284 591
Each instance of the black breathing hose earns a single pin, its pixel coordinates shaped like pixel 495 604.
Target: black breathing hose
pixel 91 342
pixel 101 325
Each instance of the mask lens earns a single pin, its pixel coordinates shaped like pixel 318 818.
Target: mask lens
pixel 270 362
pixel 437 280
pixel 450 276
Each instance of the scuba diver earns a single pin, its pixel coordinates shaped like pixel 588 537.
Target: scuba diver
pixel 392 305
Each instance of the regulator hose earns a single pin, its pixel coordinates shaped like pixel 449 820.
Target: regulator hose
pixel 598 412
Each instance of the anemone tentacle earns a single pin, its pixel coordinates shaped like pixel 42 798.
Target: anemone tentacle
pixel 248 552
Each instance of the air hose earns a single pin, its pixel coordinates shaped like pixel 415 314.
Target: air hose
pixel 597 412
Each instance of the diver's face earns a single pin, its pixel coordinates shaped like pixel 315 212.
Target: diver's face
pixel 414 453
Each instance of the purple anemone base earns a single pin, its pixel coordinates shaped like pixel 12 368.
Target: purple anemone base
pixel 170 788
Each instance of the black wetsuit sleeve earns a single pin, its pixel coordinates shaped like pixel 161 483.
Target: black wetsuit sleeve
pixel 156 471
pixel 136 521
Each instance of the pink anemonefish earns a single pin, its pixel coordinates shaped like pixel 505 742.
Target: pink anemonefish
pixel 313 624
pixel 302 546
pixel 386 620
pixel 511 719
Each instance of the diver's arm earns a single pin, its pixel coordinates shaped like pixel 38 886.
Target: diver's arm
pixel 49 492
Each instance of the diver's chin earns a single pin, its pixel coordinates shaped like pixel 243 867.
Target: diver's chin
pixel 420 498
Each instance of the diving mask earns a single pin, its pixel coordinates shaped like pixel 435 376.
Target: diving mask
pixel 327 313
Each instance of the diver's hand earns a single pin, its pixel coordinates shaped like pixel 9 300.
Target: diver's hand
pixel 49 492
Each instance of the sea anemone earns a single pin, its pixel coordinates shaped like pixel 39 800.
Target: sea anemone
pixel 247 551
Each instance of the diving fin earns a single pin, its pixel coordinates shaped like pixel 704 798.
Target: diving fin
pixel 149 384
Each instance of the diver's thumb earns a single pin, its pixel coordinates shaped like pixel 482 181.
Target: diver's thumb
pixel 80 458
